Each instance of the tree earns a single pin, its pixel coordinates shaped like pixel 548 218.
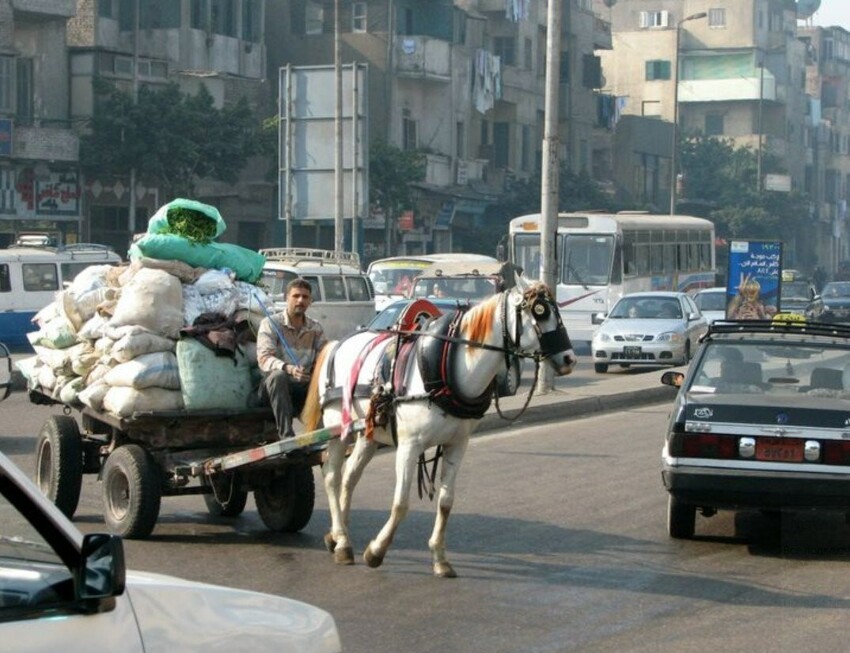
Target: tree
pixel 391 171
pixel 170 138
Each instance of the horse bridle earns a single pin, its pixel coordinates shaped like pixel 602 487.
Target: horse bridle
pixel 541 306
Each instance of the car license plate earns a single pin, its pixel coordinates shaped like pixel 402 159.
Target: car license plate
pixel 631 352
pixel 780 451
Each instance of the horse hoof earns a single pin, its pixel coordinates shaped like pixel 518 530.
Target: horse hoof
pixel 344 556
pixel 444 570
pixel 330 542
pixel 371 559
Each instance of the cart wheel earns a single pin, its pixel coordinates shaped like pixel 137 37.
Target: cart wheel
pixel 59 463
pixel 227 498
pixel 285 503
pixel 132 492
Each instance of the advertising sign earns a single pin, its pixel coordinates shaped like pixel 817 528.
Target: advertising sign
pixel 753 280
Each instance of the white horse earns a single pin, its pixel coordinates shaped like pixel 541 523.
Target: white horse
pixel 435 389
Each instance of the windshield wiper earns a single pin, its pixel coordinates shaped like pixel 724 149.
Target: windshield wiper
pixel 570 268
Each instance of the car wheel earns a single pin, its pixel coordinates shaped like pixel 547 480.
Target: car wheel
pixel 285 502
pixel 132 492
pixel 227 498
pixel 59 463
pixel 600 368
pixel 681 519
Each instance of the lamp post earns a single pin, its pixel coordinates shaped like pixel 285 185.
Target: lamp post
pixel 673 148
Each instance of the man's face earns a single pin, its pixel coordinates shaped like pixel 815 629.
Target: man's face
pixel 298 301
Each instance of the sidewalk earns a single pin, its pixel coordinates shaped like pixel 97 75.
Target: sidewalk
pixel 579 395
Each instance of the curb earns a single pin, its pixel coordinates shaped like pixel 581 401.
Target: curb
pixel 573 408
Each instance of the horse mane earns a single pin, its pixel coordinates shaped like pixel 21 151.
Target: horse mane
pixel 477 324
pixel 311 414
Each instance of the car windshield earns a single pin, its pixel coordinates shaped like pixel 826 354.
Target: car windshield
pixel 783 366
pixel 796 290
pixel 648 308
pixel 836 289
pixel 470 288
pixel 711 301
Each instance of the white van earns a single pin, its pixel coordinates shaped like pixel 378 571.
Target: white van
pixel 343 298
pixel 30 275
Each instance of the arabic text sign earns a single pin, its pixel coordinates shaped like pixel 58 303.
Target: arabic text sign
pixel 755 268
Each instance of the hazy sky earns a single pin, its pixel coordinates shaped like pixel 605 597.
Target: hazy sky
pixel 833 12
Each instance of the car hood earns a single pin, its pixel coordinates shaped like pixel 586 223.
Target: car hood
pixel 794 412
pixel 627 327
pixel 180 615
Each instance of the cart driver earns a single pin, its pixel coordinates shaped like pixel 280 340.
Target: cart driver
pixel 287 345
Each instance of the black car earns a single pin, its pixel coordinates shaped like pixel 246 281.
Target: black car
pixel 836 301
pixel 760 422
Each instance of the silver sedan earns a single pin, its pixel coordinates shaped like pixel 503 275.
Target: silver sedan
pixel 648 328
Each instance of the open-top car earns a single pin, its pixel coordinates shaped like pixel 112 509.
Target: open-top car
pixel 760 422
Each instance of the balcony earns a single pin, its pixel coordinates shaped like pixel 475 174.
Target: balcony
pixel 56 8
pixel 602 39
pixel 727 90
pixel 422 57
pixel 46 143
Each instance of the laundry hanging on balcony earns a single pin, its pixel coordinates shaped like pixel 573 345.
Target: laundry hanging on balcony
pixel 487 81
pixel 516 10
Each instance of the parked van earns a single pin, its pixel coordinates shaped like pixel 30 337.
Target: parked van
pixel 30 275
pixel 343 298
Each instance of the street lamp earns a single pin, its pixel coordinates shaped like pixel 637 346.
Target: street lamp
pixel 674 146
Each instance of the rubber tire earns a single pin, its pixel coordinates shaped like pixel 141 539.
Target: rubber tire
pixel 132 492
pixel 509 380
pixel 681 519
pixel 237 497
pixel 285 503
pixel 600 368
pixel 59 463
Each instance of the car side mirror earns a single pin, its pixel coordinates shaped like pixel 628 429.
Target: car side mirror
pixel 674 379
pixel 694 316
pixel 598 318
pixel 102 571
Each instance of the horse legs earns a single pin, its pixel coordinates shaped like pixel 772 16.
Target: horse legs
pixel 406 459
pixel 452 457
pixel 340 482
pixel 337 539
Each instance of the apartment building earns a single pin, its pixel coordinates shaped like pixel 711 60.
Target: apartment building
pixel 215 43
pixel 463 81
pixel 39 150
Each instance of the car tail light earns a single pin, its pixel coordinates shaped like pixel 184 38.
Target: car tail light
pixel 703 445
pixel 836 453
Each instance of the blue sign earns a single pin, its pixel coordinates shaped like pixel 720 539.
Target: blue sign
pixel 753 280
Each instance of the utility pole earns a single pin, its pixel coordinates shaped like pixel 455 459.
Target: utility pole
pixel 550 164
pixel 338 188
pixel 131 218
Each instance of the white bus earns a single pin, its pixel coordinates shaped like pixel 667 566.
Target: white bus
pixel 393 277
pixel 603 256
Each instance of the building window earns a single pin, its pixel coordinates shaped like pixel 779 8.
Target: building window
pixel 409 138
pixel 24 99
pixel 407 21
pixel 501 145
pixel 7 84
pixel 658 69
pixel 459 27
pixel 104 9
pixel 654 19
pixel 251 21
pixel 503 47
pixel 315 18
pixel 564 68
pixel 223 17
pixel 358 17
pixel 529 53
pixel 198 14
pixel 460 137
pixel 714 124
pixel 526 148
pixel 717 18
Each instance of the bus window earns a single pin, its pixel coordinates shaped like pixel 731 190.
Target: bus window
pixel 39 277
pixel 5 282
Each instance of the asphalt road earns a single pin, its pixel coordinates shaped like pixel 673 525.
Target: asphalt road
pixel 558 535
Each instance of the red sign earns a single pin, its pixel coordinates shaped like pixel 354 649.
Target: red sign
pixel 405 221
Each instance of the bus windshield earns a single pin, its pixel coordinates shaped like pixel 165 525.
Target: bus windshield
pixel 585 259
pixel 395 277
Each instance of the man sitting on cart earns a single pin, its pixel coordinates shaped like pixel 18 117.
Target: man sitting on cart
pixel 287 345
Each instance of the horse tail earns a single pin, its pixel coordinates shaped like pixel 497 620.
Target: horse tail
pixel 311 414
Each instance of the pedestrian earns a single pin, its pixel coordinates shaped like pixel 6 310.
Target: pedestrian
pixel 287 346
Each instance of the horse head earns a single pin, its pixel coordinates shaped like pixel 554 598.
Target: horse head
pixel 534 325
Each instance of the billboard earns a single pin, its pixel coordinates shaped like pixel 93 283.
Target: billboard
pixel 753 279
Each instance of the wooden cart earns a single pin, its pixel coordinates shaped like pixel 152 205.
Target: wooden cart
pixel 222 455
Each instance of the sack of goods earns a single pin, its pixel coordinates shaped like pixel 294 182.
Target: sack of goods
pixel 174 329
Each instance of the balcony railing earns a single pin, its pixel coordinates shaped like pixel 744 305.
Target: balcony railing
pixel 725 90
pixel 423 57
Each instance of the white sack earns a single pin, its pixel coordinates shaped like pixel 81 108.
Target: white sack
pixel 123 401
pixel 152 299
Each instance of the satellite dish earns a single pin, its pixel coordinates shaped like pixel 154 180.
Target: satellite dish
pixel 609 3
pixel 806 8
